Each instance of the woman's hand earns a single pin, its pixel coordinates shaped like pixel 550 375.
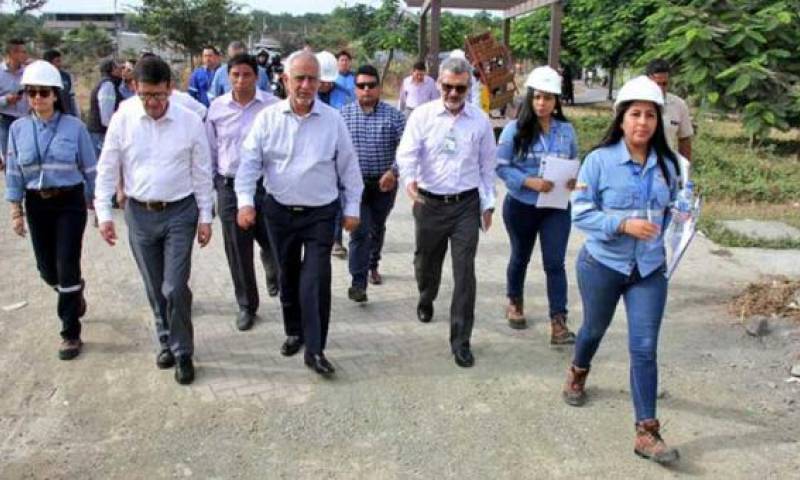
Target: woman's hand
pixel 18 225
pixel 571 184
pixel 538 184
pixel 639 228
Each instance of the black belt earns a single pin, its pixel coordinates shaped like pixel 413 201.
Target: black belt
pixel 48 193
pixel 154 205
pixel 300 208
pixel 450 198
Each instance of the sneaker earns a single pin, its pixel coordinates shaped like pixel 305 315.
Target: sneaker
pixel 339 251
pixel 559 333
pixel 70 349
pixel 574 391
pixel 514 314
pixel 650 445
pixel 357 294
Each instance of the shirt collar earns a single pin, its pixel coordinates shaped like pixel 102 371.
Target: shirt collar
pixel 42 125
pixel 315 107
pixel 442 110
pixel 260 97
pixel 141 113
pixel 624 156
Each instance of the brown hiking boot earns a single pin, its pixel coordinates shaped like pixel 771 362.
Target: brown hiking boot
pixel 559 333
pixel 574 392
pixel 514 314
pixel 650 445
pixel 70 349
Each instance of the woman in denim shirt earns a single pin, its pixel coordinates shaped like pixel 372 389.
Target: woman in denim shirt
pixel 51 169
pixel 541 130
pixel 621 201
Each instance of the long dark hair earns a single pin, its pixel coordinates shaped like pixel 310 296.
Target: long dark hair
pixel 658 141
pixel 58 106
pixel 528 128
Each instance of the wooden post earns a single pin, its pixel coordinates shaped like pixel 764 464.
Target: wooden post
pixel 507 33
pixel 423 35
pixel 554 52
pixel 433 56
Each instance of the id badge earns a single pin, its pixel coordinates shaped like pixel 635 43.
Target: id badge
pixel 450 143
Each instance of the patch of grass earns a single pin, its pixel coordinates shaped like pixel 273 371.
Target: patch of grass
pixel 717 232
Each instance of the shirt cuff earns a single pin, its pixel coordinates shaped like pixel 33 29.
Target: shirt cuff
pixel 205 216
pixel 487 203
pixel 612 226
pixel 103 212
pixel 352 209
pixel 244 200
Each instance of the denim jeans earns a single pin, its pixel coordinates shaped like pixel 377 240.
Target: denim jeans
pixel 601 288
pixel 367 240
pixel 524 223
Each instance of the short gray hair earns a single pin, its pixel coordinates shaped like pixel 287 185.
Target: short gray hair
pixel 301 55
pixel 455 65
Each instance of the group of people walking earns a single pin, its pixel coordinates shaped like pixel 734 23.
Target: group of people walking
pixel 288 171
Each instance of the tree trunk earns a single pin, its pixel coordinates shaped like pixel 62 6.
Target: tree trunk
pixel 611 73
pixel 388 64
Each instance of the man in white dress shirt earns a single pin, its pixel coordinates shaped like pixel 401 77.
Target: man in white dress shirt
pixel 162 152
pixel 446 160
pixel 302 149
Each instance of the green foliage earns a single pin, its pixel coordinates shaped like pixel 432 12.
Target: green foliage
pixel 530 36
pixel 19 26
pixel 735 56
pixel 88 41
pixel 188 25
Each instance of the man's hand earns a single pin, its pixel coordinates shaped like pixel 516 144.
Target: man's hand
pixel 203 234
pixel 487 219
pixel 538 184
pixel 387 182
pixel 108 233
pixel 412 191
pixel 246 217
pixel 571 184
pixel 350 223
pixel 640 228
pixel 121 198
pixel 12 99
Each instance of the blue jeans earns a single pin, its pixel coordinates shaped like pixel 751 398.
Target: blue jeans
pixel 366 241
pixel 524 223
pixel 601 288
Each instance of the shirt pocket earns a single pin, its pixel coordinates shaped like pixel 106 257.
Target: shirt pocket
pixel 618 200
pixel 64 150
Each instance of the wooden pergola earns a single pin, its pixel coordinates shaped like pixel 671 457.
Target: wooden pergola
pixel 510 9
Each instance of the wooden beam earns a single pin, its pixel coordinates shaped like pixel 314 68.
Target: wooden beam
pixel 423 36
pixel 507 33
pixel 554 52
pixel 433 56
pixel 425 7
pixel 526 7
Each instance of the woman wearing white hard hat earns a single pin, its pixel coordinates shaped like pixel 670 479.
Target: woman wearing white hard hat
pixel 51 169
pixel 541 131
pixel 621 202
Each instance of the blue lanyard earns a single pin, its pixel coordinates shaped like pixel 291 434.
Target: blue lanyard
pixel 39 155
pixel 646 186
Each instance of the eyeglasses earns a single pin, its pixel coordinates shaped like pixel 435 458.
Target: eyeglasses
pixel 159 97
pixel 458 88
pixel 41 92
pixel 367 85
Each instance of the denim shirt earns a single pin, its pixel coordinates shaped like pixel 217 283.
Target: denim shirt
pixel 513 168
pixel 612 187
pixel 67 156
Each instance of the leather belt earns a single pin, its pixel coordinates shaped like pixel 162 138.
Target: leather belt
pixel 48 193
pixel 450 198
pixel 154 206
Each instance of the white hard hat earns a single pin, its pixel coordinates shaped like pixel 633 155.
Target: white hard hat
pixel 544 79
pixel 328 69
pixel 640 88
pixel 41 73
pixel 458 53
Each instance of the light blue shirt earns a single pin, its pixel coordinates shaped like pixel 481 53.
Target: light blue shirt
pixel 513 168
pixel 10 83
pixel 64 157
pixel 612 187
pixel 220 85
pixel 347 82
pixel 303 159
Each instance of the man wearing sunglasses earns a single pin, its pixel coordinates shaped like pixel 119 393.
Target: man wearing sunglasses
pixel 162 151
pixel 447 161
pixel 376 128
pixel 302 149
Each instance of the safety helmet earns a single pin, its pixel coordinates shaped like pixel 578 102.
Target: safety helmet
pixel 328 68
pixel 458 53
pixel 640 88
pixel 544 79
pixel 41 73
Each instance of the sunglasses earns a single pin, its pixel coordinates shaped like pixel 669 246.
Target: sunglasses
pixel 40 92
pixel 458 88
pixel 366 85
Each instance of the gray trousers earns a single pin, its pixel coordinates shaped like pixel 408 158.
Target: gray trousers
pixel 239 245
pixel 162 246
pixel 438 223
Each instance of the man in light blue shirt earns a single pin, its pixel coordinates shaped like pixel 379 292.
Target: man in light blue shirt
pixel 346 80
pixel 221 85
pixel 303 150
pixel 200 81
pixel 13 104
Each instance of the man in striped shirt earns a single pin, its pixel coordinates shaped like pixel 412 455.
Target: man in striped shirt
pixel 376 129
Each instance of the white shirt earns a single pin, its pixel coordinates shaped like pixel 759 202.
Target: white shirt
pixel 677 121
pixel 162 160
pixel 186 100
pixel 302 159
pixel 448 154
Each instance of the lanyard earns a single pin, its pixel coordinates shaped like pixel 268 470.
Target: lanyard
pixel 40 156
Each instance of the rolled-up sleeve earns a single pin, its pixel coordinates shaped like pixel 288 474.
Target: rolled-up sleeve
pixel 487 162
pixel 349 171
pixel 108 169
pixel 251 163
pixel 587 213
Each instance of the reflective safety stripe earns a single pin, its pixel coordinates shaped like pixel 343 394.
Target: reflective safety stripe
pixel 51 166
pixel 74 288
pixel 89 170
pixel 503 161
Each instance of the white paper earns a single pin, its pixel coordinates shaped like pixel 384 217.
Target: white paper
pixel 559 171
pixel 678 237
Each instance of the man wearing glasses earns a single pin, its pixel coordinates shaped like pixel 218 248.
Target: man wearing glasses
pixel 376 129
pixel 162 151
pixel 446 159
pixel 301 147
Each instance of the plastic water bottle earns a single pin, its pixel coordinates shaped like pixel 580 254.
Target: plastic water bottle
pixel 684 203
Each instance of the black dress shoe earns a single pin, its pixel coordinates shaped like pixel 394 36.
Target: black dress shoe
pixel 319 364
pixel 245 320
pixel 272 288
pixel 291 346
pixel 184 370
pixel 357 294
pixel 165 359
pixel 424 313
pixel 464 357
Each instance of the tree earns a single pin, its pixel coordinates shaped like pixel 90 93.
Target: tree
pixel 391 30
pixel 736 56
pixel 88 41
pixel 188 25
pixel 530 35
